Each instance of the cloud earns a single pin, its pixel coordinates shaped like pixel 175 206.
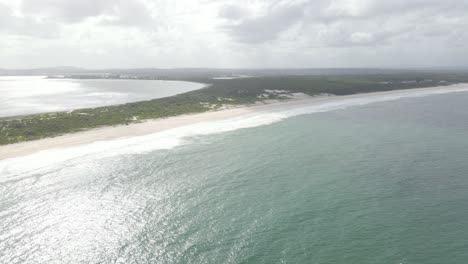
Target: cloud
pixel 232 33
pixel 122 12
pixel 25 26
pixel 347 22
pixel 233 12
pixel 266 27
pixel 67 11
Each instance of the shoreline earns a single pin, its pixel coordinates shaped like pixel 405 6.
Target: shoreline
pixel 157 125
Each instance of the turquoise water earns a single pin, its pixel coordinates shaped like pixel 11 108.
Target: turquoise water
pixel 382 183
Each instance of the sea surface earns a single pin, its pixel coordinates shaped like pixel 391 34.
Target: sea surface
pixel 21 95
pixel 376 181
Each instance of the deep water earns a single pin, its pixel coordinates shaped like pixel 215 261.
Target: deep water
pixel 380 183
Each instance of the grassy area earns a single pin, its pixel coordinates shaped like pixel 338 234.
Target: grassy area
pixel 226 91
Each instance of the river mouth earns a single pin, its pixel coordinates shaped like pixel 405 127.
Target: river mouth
pixel 23 95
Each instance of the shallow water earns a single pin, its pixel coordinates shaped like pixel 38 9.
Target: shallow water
pixel 20 95
pixel 377 183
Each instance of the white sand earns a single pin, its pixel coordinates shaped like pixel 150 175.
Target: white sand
pixel 157 125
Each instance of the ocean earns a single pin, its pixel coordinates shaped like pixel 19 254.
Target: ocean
pixel 21 95
pixel 376 181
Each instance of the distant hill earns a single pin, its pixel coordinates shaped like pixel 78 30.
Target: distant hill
pixel 42 71
pixel 190 73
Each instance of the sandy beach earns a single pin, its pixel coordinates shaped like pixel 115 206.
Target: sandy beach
pixel 158 125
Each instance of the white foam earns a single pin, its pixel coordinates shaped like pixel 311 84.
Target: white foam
pixel 16 167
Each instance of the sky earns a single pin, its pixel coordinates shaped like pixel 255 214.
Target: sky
pixel 233 33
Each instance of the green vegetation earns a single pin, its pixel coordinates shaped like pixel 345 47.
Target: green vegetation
pixel 221 91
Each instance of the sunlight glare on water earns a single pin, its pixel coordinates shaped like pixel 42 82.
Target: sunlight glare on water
pixel 375 183
pixel 22 95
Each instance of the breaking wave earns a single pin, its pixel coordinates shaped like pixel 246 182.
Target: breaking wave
pixel 14 168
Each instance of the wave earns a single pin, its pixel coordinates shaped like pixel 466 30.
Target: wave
pixel 19 167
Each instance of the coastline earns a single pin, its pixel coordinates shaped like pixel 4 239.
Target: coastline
pixel 158 125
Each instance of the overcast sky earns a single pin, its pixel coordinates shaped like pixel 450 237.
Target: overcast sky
pixel 233 33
